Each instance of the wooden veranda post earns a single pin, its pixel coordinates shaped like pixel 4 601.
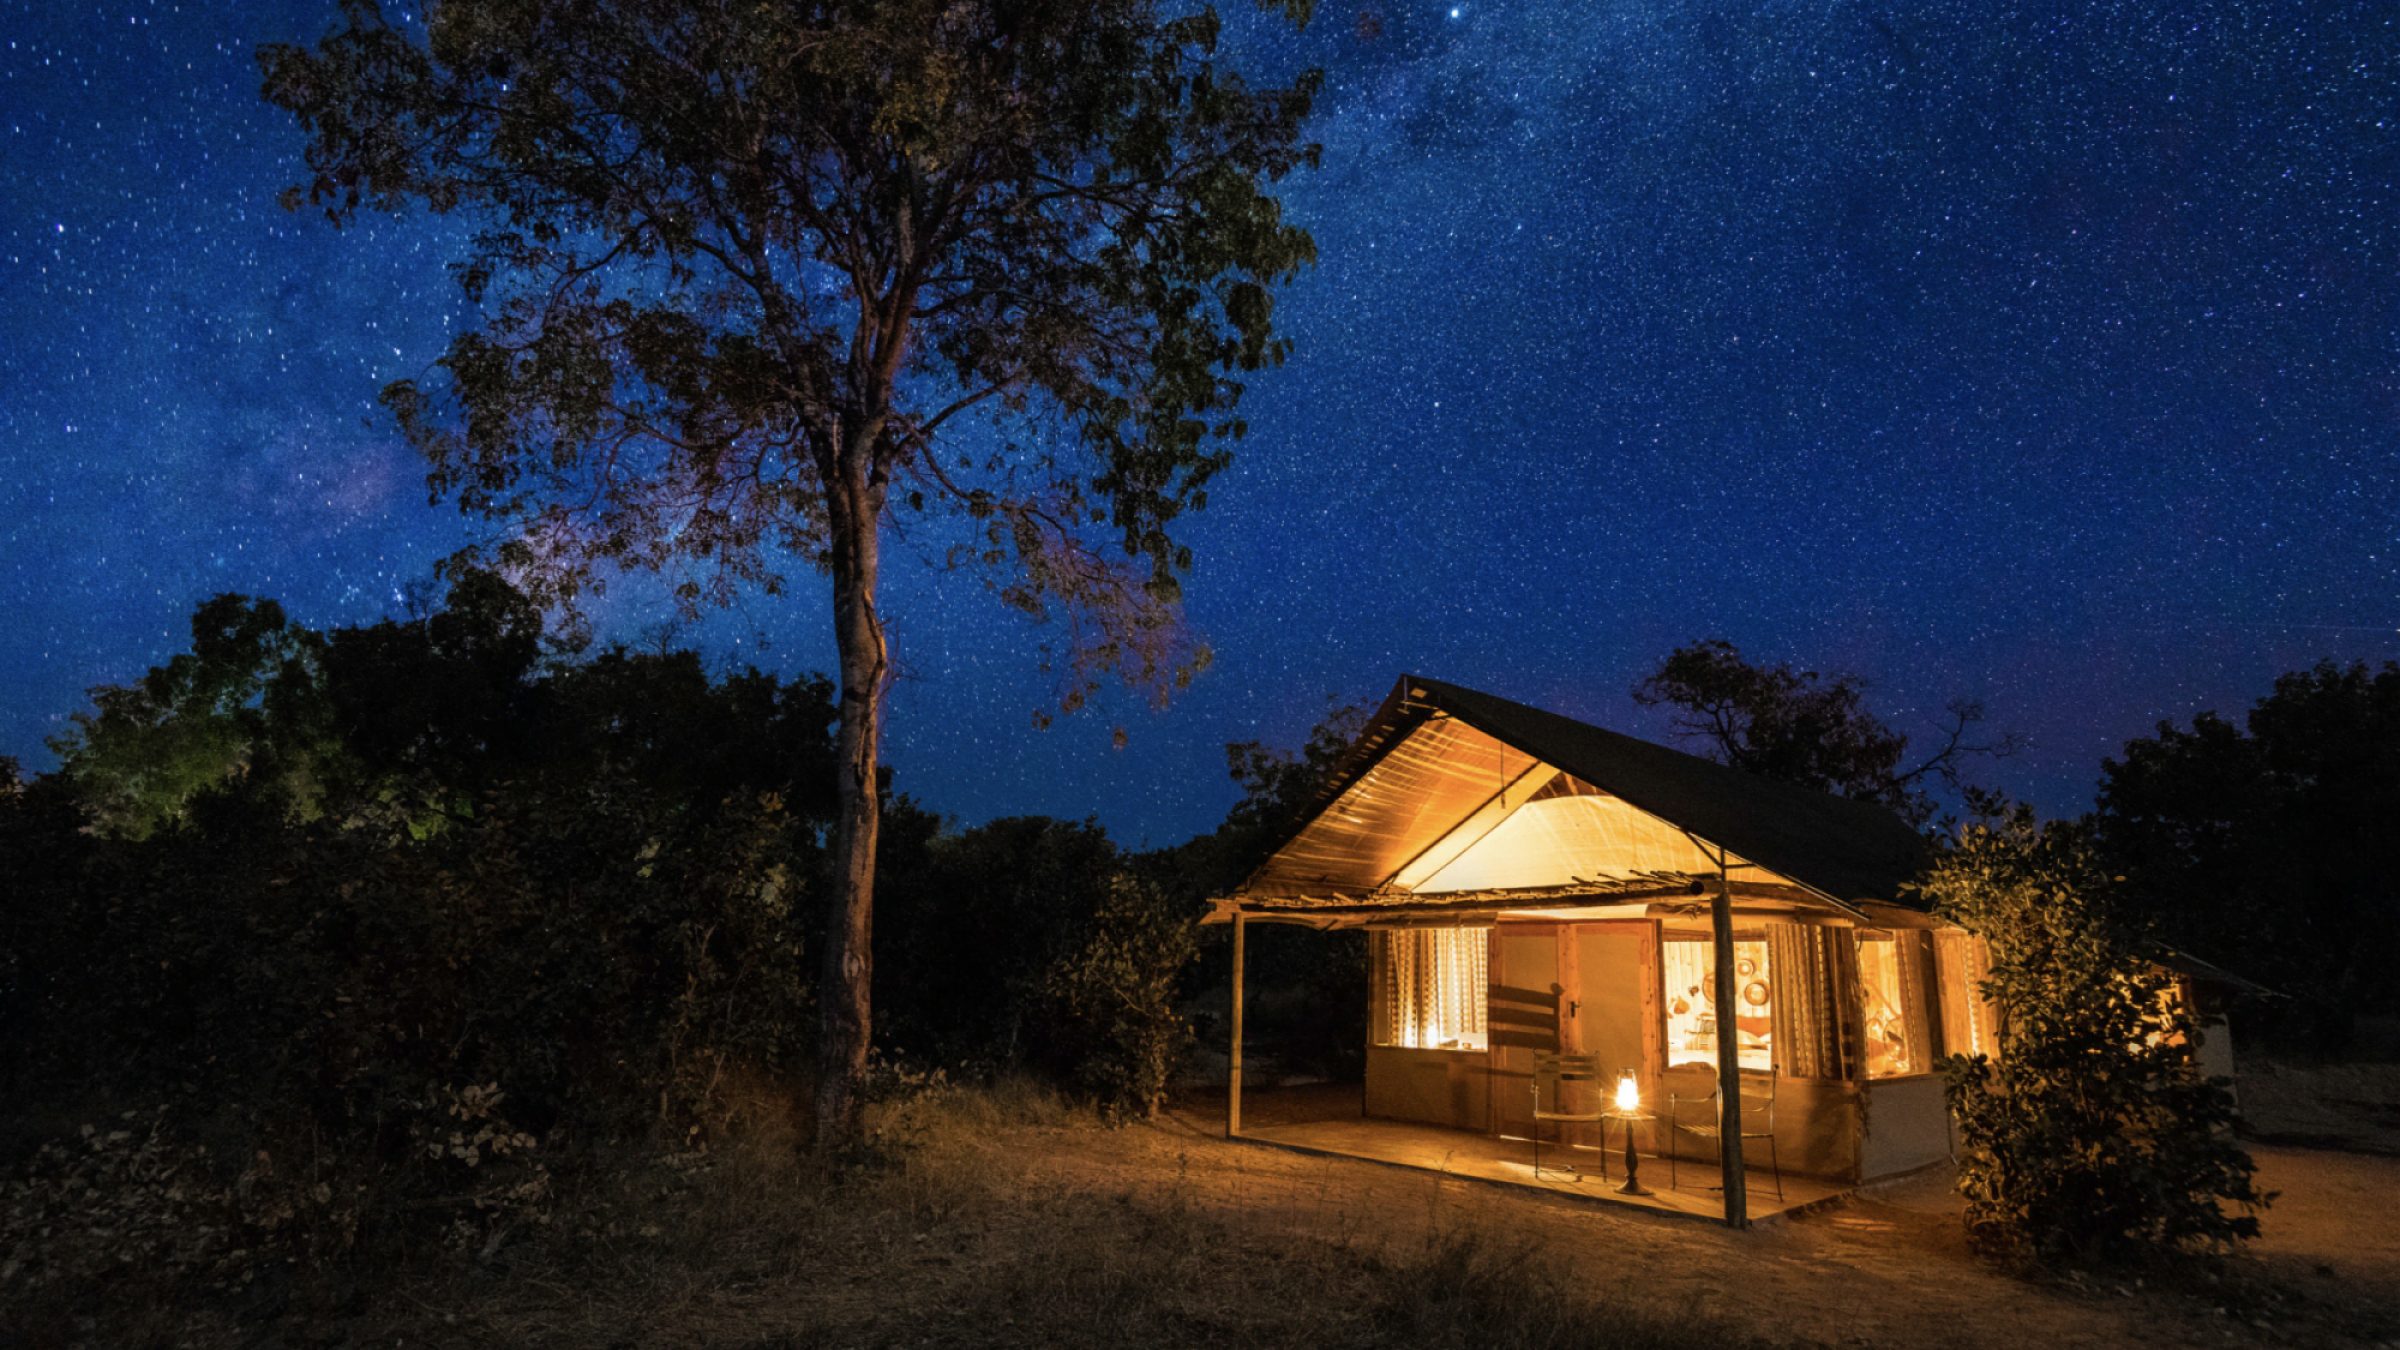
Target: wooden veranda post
pixel 1233 1083
pixel 1729 1055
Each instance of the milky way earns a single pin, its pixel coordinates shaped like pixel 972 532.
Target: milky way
pixel 2049 357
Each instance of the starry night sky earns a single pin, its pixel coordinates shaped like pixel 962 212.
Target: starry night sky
pixel 2046 355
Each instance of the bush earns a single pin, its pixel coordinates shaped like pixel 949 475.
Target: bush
pixel 434 921
pixel 1114 1031
pixel 1030 942
pixel 2094 1137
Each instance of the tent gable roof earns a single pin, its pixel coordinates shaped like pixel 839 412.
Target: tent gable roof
pixel 1436 753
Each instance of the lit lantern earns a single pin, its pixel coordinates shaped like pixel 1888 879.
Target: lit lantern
pixel 1628 1110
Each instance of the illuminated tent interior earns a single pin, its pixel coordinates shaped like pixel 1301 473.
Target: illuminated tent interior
pixel 1533 885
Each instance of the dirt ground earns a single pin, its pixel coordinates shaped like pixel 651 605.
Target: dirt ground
pixel 1019 1222
pixel 1050 1230
pixel 1055 1232
pixel 1883 1269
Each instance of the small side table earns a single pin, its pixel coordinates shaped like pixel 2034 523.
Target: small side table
pixel 1633 1177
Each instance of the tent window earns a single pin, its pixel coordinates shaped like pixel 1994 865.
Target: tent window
pixel 1691 988
pixel 1891 982
pixel 1431 987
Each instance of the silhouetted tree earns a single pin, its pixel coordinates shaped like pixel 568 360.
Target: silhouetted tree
pixel 2264 844
pixel 1797 726
pixel 1308 1003
pixel 747 263
pixel 243 692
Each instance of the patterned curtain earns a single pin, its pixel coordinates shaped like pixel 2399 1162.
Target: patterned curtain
pixel 1914 949
pixel 1816 997
pixel 1434 987
pixel 1970 1023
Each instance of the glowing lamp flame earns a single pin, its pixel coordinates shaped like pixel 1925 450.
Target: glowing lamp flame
pixel 1629 1094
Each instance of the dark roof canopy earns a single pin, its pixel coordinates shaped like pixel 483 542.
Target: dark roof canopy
pixel 1374 816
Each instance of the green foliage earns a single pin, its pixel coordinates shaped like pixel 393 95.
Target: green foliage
pixel 743 264
pixel 2094 1136
pixel 542 904
pixel 534 905
pixel 2263 843
pixel 969 924
pixel 238 702
pixel 1797 726
pixel 1028 941
pixel 1113 1026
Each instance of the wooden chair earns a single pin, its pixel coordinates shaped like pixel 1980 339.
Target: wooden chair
pixel 1757 1119
pixel 1558 1071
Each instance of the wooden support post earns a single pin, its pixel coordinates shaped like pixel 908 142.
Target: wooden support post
pixel 1233 1085
pixel 1729 1055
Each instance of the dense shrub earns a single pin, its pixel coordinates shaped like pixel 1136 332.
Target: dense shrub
pixel 1108 1002
pixel 399 921
pixel 423 1025
pixel 1031 941
pixel 400 916
pixel 2094 1136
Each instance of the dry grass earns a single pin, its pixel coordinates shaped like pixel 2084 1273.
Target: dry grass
pixel 942 1241
pixel 1000 1217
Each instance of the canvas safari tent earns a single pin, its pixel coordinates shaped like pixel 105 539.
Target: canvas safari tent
pixel 1532 885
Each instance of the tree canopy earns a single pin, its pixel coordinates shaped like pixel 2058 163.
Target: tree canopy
pixel 2258 843
pixel 760 282
pixel 1797 726
pixel 744 265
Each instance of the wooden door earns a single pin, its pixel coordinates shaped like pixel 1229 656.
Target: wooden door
pixel 1615 999
pixel 1524 1010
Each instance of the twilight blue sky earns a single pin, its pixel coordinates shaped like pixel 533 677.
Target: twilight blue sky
pixel 2044 354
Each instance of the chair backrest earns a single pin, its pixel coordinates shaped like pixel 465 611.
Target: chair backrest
pixel 1552 1071
pixel 1693 1084
pixel 1554 1067
pixel 1758 1094
pixel 1524 1018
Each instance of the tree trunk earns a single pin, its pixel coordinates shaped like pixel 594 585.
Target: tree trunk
pixel 845 1023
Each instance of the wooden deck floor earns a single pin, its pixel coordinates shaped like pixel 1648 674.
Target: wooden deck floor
pixel 1328 1120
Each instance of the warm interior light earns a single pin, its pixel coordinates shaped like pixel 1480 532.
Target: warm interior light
pixel 1436 980
pixel 1629 1094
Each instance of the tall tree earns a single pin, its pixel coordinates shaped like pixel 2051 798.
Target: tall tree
pixel 1798 726
pixel 2262 843
pixel 762 278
